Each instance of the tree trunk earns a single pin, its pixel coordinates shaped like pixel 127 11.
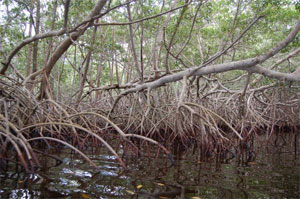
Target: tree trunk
pixel 52 28
pixel 173 37
pixel 86 68
pixel 157 46
pixel 134 54
pixel 59 76
pixel 29 47
pixel 100 65
pixel 35 44
pixel 63 47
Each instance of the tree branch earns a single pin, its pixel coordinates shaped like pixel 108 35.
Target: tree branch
pixel 28 41
pixel 295 76
pixel 52 33
pixel 140 20
pixel 281 44
pixel 247 65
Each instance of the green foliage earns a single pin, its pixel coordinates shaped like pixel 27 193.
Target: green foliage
pixel 297 6
pixel 216 26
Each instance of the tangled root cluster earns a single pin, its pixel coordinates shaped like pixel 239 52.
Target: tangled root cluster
pixel 218 120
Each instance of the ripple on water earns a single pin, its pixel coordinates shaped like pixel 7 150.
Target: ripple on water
pixel 77 172
pixel 271 176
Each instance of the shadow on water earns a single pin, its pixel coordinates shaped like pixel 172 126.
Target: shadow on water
pixel 273 171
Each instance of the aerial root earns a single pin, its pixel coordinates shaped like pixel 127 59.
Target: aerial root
pixel 216 121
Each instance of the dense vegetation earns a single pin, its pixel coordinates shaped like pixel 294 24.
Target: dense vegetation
pixel 215 73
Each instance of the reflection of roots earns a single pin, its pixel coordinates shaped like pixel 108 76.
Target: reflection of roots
pixel 171 192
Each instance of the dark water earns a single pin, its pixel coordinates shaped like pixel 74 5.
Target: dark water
pixel 274 173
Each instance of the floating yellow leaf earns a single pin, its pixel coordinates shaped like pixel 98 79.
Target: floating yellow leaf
pixel 139 186
pixel 162 197
pixel 196 197
pixel 85 195
pixel 251 163
pixel 20 181
pixel 160 184
pixel 130 192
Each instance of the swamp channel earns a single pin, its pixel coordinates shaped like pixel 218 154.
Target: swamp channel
pixel 270 170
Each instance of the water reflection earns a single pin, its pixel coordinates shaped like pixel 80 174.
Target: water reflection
pixel 271 175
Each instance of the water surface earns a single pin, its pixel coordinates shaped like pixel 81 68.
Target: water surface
pixel 273 173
